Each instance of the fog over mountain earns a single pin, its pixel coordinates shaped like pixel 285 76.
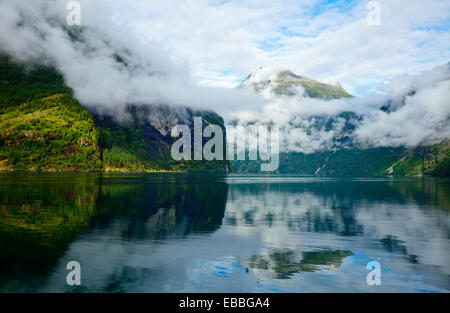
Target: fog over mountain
pixel 411 110
pixel 36 31
pixel 109 66
pixel 420 111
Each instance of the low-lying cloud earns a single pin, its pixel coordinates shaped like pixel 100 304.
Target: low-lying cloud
pixel 36 31
pixel 108 66
pixel 420 116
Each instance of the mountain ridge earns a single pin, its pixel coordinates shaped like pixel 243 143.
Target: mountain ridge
pixel 282 82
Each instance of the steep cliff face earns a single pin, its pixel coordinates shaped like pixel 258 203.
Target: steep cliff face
pixel 42 127
pixel 143 142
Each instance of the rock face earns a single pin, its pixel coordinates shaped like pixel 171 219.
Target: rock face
pixel 269 81
pixel 164 118
pixel 144 141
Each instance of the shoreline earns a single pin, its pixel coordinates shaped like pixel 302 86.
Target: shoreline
pixel 184 172
pixel 86 171
pixel 106 171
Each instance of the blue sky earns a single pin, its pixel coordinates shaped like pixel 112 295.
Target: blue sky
pixel 223 41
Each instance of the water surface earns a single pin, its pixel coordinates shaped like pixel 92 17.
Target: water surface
pixel 237 233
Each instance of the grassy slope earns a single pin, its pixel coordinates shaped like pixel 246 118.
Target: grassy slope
pixel 434 160
pixel 318 90
pixel 19 83
pixel 42 127
pixel 286 86
pixel 53 133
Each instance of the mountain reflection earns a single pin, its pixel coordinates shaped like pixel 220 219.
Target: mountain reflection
pixel 39 218
pixel 181 232
pixel 284 263
pixel 41 214
pixel 401 217
pixel 162 210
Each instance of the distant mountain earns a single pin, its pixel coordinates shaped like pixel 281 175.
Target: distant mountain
pixel 268 81
pixel 42 127
pixel 343 157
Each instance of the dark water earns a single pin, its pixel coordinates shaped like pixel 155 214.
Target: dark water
pixel 180 233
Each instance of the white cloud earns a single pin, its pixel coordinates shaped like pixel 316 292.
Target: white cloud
pixel 416 112
pixel 175 49
pixel 421 115
pixel 32 31
pixel 329 42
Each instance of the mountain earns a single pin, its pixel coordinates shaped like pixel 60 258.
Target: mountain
pixel 342 156
pixel 401 161
pixel 43 127
pixel 269 81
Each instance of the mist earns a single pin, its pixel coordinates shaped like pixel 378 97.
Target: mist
pixel 36 31
pixel 410 111
pixel 109 66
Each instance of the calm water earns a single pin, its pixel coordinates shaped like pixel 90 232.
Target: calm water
pixel 180 233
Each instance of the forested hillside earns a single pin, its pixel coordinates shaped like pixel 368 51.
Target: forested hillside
pixel 42 127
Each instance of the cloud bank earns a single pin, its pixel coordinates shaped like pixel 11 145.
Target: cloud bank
pixel 136 52
pixel 36 31
pixel 411 110
pixel 420 112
